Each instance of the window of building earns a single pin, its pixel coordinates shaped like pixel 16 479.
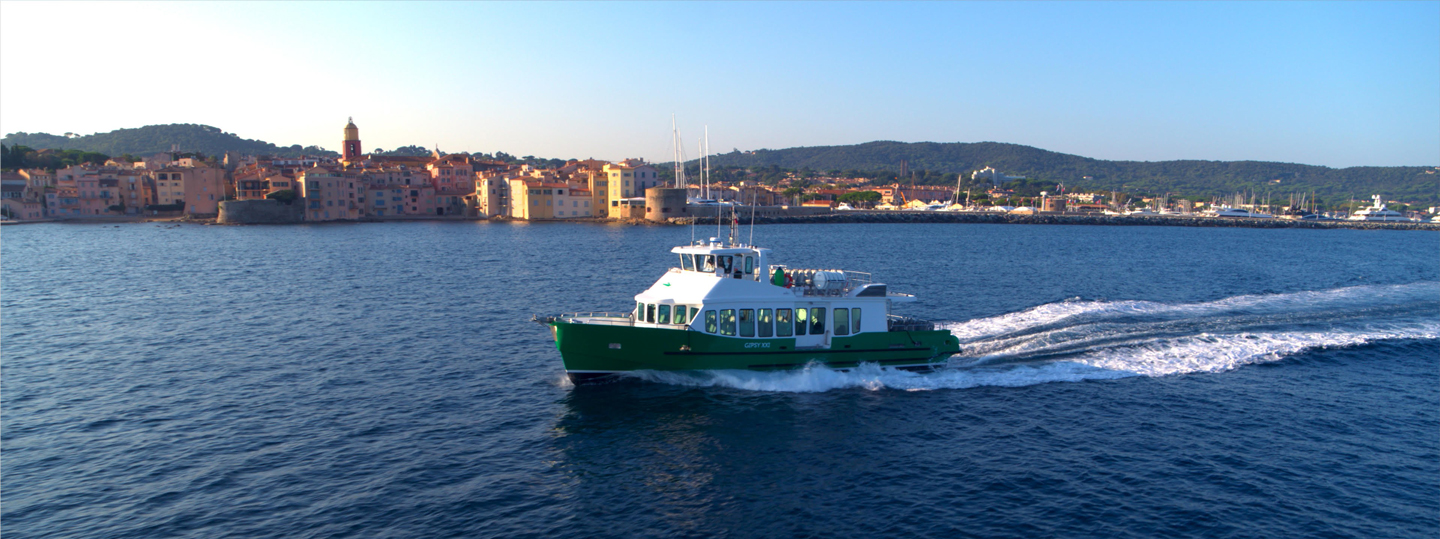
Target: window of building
pixel 767 324
pixel 842 321
pixel 747 322
pixel 802 320
pixel 710 322
pixel 727 322
pixel 664 315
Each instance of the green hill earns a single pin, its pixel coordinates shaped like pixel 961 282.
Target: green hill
pixel 158 138
pixel 1188 178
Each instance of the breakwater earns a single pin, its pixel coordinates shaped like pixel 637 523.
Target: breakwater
pixel 1062 219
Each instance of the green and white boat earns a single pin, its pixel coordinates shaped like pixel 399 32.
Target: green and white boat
pixel 729 306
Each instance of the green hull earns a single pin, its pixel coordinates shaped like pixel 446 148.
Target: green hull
pixel 594 349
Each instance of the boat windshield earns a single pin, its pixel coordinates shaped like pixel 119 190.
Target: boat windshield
pixel 687 263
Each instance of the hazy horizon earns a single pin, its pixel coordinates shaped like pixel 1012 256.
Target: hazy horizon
pixel 1321 83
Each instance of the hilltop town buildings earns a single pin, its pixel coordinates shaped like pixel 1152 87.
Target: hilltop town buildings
pixel 357 185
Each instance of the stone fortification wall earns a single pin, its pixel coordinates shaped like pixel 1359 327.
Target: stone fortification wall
pixel 259 212
pixel 663 203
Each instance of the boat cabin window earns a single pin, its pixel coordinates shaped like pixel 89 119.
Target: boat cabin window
pixel 727 322
pixel 749 265
pixel 817 321
pixel 710 326
pixel 842 321
pixel 639 312
pixel 747 322
pixel 687 262
pixel 782 323
pixel 767 324
pixel 664 317
pixel 725 263
pixel 706 263
pixel 679 314
pixel 650 313
pixel 855 320
pixel 802 320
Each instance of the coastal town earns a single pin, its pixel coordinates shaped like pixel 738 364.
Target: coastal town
pixel 355 186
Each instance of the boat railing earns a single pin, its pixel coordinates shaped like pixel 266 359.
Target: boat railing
pixel 827 284
pixel 598 318
pixel 896 322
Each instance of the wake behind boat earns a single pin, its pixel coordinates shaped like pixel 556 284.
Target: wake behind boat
pixel 727 305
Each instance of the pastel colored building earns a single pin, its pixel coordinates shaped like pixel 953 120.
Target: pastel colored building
pixel 169 186
pixel 538 199
pixel 201 189
pixel 627 179
pixel 21 209
pixel 329 195
pixel 492 193
pixel 453 178
pixel 398 191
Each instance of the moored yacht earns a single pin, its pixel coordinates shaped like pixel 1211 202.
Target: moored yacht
pixel 1226 211
pixel 1378 212
pixel 728 305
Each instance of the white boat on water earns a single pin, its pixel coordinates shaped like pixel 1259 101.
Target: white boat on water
pixel 1142 212
pixel 1378 212
pixel 843 207
pixel 1226 211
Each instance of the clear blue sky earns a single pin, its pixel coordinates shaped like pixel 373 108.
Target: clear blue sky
pixel 1327 83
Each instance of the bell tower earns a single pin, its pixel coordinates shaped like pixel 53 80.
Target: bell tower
pixel 350 148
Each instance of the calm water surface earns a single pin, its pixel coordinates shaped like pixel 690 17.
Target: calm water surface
pixel 383 380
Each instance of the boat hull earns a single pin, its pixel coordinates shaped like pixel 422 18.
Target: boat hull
pixel 592 351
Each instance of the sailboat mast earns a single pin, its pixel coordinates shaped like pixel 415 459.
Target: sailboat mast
pixel 706 164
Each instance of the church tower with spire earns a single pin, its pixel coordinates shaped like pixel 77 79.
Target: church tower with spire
pixel 350 151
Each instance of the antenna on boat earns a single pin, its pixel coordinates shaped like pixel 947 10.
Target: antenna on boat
pixel 734 223
pixel 753 196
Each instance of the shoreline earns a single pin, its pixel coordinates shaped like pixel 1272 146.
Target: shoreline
pixel 848 217
pixel 927 217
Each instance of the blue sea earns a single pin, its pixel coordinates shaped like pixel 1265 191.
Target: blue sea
pixel 385 380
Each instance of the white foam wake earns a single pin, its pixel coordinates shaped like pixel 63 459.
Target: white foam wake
pixel 1095 340
pixel 1335 300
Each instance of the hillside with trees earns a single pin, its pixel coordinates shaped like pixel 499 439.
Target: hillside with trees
pixel 152 139
pixel 935 163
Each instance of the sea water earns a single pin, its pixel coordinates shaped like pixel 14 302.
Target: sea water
pixel 384 380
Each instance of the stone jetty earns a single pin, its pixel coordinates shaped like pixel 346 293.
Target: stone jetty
pixel 1063 219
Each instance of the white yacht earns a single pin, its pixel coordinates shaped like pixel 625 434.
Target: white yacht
pixel 1226 211
pixel 1378 212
